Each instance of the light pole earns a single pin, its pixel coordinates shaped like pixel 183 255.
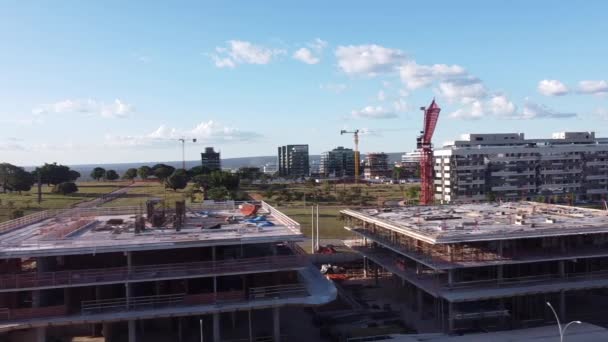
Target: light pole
pixel 201 322
pixel 562 332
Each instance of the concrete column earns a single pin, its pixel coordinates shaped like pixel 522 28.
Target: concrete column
pixel 450 277
pixel 276 324
pixel 40 334
pixel 213 253
pixel 364 267
pixel 562 268
pixel 233 316
pixel 106 331
pixel 216 327
pixel 450 317
pixel 132 331
pixel 419 302
pixel 250 327
pixel 179 330
pixel 562 305
pixel 499 273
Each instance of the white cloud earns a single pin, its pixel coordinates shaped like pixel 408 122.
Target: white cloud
pixel 206 131
pixel 368 60
pixel 318 44
pixel 497 105
pixel 598 87
pixel 334 87
pixel 552 88
pixel 417 76
pixel 305 55
pixel 464 90
pixel 501 106
pixel 116 109
pixel 381 96
pixel 474 111
pixel 243 52
pixel 371 112
pixel 602 113
pixel 400 106
pixel 536 111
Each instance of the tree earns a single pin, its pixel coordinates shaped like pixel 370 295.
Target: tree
pixel 163 172
pixel 398 173
pixel 144 172
pixel 413 192
pixel 249 172
pixel 65 188
pixel 219 194
pixel 98 173
pixel 53 174
pixel 178 180
pixel 130 174
pixel 74 175
pixel 15 178
pixel 111 175
pixel 198 170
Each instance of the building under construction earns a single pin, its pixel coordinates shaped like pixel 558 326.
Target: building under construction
pixel 214 271
pixel 489 266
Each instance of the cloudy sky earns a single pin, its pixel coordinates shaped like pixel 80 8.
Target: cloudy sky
pixel 111 81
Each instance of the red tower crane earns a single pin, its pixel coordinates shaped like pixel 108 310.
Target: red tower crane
pixel 431 115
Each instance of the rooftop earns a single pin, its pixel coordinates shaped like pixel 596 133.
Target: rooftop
pixel 113 229
pixel 486 221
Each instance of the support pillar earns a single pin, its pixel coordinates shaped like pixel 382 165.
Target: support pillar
pixel 499 273
pixel 106 331
pixel 216 327
pixel 419 302
pixel 562 268
pixel 233 316
pixel 562 305
pixel 180 336
pixel 276 324
pixel 364 267
pixel 450 277
pixel 132 331
pixel 450 316
pixel 40 334
pixel 250 328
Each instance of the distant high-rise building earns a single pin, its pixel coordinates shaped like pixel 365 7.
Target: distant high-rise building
pixel 339 162
pixel 376 165
pixel 410 164
pixel 211 159
pixel 270 168
pixel 294 161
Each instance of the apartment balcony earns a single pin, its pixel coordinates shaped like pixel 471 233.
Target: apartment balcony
pixel 596 191
pixel 469 167
pixel 559 171
pixel 512 173
pixel 596 177
pixel 102 276
pixel 596 163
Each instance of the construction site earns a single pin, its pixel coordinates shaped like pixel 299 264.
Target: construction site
pixel 216 271
pixel 484 267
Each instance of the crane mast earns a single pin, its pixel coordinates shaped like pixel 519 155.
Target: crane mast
pixel 424 144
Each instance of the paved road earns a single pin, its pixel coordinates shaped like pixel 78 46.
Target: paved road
pixel 106 198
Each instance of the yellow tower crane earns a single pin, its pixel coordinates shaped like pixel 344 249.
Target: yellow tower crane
pixel 355 134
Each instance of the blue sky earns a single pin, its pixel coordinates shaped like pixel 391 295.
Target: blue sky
pixel 116 81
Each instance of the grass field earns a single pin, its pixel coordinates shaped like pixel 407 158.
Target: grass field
pixel 140 193
pixel 27 201
pixel 330 227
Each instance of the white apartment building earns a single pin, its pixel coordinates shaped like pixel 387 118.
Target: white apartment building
pixel 507 166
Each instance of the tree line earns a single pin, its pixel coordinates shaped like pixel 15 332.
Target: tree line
pixel 16 179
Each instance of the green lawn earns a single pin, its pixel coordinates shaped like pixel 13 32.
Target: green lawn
pixel 27 201
pixel 140 193
pixel 330 227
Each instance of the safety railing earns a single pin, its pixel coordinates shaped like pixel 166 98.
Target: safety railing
pixel 27 313
pixel 277 291
pixel 141 273
pixel 132 303
pixel 284 219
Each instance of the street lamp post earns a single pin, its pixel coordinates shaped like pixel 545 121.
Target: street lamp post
pixel 562 331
